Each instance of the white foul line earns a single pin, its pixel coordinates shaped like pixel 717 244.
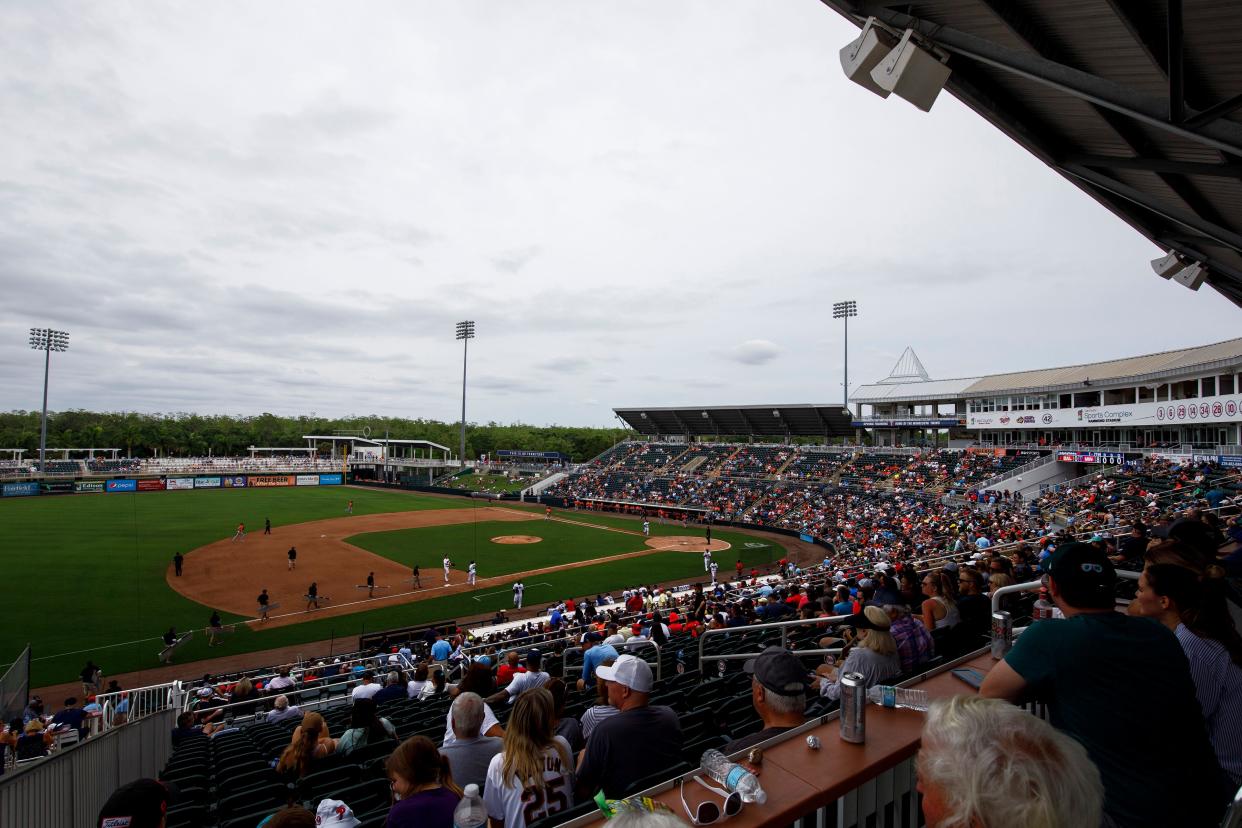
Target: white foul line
pixel 506 591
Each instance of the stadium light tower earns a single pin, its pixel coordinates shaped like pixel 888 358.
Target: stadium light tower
pixel 46 340
pixel 465 332
pixel 844 310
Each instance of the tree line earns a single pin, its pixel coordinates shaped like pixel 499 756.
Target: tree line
pixel 197 435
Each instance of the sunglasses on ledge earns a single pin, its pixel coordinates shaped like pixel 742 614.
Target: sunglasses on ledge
pixel 708 812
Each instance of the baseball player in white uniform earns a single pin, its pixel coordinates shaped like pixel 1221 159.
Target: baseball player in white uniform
pixel 447 566
pixel 707 560
pixel 714 567
pixel 646 529
pixel 518 589
pixel 471 573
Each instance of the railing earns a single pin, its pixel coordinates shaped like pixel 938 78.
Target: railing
pixel 783 626
pixel 1026 467
pixel 67 789
pixel 175 695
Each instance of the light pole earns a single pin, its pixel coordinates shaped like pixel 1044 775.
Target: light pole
pixel 46 340
pixel 844 310
pixel 465 332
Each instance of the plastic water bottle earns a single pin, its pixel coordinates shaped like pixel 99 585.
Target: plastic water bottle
pixel 1043 609
pixel 470 812
pixel 732 776
pixel 888 696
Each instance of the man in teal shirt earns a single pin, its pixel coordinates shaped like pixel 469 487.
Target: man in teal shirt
pixel 1121 686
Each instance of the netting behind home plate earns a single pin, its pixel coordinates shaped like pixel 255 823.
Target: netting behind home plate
pixel 15 687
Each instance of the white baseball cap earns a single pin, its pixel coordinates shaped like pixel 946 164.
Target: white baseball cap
pixel 630 671
pixel 335 812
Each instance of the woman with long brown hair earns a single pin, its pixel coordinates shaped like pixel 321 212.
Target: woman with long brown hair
pixel 422 785
pixel 310 742
pixel 532 777
pixel 940 609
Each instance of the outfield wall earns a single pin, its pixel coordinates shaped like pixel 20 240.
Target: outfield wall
pixel 169 483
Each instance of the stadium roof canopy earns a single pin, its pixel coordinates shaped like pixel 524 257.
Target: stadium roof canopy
pixel 1140 369
pixel 735 420
pixel 1137 103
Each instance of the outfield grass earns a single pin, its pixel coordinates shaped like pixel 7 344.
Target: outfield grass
pixel 86 572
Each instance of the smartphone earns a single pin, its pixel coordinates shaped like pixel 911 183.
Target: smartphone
pixel 970 675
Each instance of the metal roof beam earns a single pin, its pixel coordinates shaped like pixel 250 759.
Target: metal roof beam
pixel 1222 135
pixel 1219 110
pixel 1158 165
pixel 1177 91
pixel 1196 223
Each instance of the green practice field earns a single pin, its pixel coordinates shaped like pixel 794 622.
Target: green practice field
pixel 86 572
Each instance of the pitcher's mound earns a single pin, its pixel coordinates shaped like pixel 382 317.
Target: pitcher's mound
pixel 687 543
pixel 516 539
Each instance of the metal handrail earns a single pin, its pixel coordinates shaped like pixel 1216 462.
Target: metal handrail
pixel 783 626
pixel 1031 586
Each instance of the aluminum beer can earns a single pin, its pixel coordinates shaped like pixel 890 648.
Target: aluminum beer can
pixel 853 708
pixel 1002 634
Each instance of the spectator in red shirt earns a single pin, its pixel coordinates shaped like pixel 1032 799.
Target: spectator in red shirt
pixel 512 666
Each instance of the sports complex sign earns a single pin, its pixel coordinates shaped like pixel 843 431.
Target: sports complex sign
pixel 1177 412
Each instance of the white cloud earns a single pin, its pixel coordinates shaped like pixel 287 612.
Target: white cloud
pixel 616 194
pixel 755 352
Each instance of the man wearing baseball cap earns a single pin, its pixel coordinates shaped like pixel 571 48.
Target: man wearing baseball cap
pixel 532 678
pixel 778 682
pixel 1121 686
pixel 140 804
pixel 633 743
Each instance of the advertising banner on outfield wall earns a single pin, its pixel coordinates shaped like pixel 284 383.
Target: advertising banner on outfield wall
pixel 268 481
pixel 172 483
pixel 207 483
pixel 59 487
pixel 148 485
pixel 330 479
pixel 20 489
pixel 308 480
pixel 237 481
pixel 122 486
pixel 85 486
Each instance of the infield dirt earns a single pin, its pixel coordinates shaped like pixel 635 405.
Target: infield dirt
pixel 228 575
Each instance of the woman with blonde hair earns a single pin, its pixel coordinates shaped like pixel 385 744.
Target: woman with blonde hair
pixel 532 777
pixel 873 653
pixel 310 742
pixel 422 785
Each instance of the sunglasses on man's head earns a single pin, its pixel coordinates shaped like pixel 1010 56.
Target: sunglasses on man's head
pixel 707 812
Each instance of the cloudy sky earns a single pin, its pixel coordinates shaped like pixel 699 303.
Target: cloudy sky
pixel 285 207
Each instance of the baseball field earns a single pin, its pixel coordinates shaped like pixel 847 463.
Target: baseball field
pixel 91 576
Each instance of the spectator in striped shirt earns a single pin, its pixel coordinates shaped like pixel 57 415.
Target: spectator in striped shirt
pixel 914 643
pixel 1194 608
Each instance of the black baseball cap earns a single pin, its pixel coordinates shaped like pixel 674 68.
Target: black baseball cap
pixel 1193 533
pixel 779 671
pixel 1084 568
pixel 140 804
